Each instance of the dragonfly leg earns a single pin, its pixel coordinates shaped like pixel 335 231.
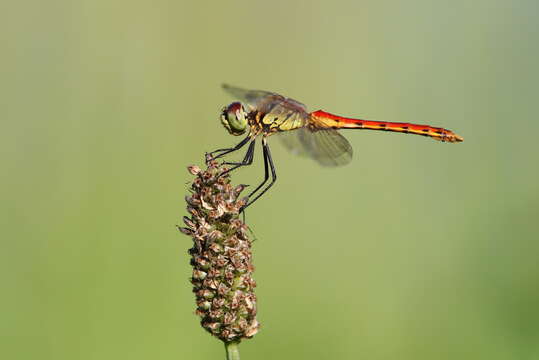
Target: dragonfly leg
pixel 222 152
pixel 266 173
pixel 267 160
pixel 247 160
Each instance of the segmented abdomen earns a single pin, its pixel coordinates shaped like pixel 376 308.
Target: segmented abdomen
pixel 324 119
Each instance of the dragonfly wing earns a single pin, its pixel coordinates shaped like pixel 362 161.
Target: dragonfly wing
pixel 326 146
pixel 257 98
pixel 252 97
pixel 292 143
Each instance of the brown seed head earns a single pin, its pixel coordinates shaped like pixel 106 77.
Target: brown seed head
pixel 221 255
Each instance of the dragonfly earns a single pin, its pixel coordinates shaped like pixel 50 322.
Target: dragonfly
pixel 311 134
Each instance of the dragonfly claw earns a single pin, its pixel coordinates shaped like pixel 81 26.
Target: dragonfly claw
pixel 240 211
pixel 209 158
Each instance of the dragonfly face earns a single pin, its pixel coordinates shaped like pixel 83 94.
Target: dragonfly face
pixel 234 118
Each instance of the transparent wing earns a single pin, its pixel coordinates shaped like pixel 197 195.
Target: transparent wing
pixel 291 142
pixel 252 97
pixel 326 146
pixel 256 98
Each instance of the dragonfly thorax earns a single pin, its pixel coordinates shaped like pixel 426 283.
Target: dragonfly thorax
pixel 234 118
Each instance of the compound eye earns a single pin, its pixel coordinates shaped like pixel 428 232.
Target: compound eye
pixel 234 118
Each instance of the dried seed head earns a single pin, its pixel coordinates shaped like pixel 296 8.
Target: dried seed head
pixel 221 255
pixel 193 169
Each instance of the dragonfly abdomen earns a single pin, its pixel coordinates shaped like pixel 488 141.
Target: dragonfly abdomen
pixel 325 119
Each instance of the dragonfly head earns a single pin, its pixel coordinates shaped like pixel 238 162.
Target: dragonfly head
pixel 234 118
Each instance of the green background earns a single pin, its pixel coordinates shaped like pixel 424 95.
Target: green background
pixel 416 250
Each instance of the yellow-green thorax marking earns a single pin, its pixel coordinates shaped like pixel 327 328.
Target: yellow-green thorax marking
pixel 277 116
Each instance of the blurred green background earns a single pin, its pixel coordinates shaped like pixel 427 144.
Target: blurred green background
pixel 416 250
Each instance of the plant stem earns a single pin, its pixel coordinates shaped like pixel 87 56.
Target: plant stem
pixel 232 350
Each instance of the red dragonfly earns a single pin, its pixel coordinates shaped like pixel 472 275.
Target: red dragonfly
pixel 313 134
